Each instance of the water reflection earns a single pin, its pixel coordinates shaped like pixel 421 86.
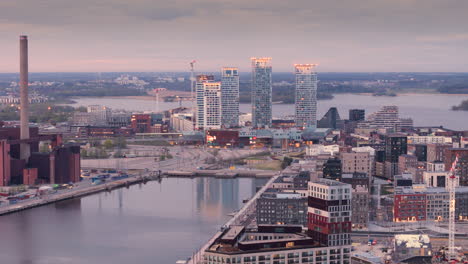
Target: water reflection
pixel 159 222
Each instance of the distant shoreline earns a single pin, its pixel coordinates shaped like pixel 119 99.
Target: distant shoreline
pixel 152 98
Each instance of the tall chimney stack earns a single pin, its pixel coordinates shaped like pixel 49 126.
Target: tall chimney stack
pixel 24 100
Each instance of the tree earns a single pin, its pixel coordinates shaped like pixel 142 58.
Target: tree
pixel 108 144
pixel 84 153
pixel 121 142
pixel 102 154
pixel 94 142
pixel 286 162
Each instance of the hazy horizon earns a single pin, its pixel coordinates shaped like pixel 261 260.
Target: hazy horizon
pixel 164 36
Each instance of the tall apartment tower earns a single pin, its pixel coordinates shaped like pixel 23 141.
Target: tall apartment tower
pixel 261 92
pixel 329 212
pixel 395 146
pixel 25 150
pixel 306 95
pixel 208 94
pixel 200 99
pixel 230 97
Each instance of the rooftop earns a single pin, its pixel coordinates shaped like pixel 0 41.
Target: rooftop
pixel 238 239
pixel 329 182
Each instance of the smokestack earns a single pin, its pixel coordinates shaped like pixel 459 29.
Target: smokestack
pixel 24 100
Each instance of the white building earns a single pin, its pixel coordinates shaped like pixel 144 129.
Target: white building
pixel 436 178
pixel 208 100
pixel 429 140
pixel 100 113
pixel 181 122
pixel 315 150
pixel 387 117
pixel 229 97
pixel 306 95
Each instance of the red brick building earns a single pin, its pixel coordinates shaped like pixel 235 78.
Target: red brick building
pixel 409 207
pixel 60 165
pixel 141 123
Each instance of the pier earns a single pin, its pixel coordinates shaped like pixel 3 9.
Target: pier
pixel 70 194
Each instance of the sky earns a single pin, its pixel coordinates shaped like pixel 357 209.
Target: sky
pixel 165 35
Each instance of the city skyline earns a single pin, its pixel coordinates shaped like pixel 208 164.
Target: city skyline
pixel 123 35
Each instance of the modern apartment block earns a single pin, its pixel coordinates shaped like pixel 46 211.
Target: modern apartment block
pixel 387 117
pixel 212 105
pixel 406 162
pixel 357 114
pixel 282 209
pixel 360 206
pixel 306 95
pixel 229 97
pixel 273 245
pixel 208 97
pixel 436 152
pixel 261 92
pixel 329 220
pixel 428 204
pixel 395 146
pixel 101 113
pixel 356 162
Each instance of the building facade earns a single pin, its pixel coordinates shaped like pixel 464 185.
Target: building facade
pixel 306 95
pixel 141 123
pixel 356 162
pixel 230 97
pixel 272 245
pixel 462 165
pixel 395 146
pixel 261 92
pixel 329 212
pixel 360 206
pixel 387 117
pixel 331 119
pixel 208 97
pixel 212 105
pixel 357 114
pixel 282 209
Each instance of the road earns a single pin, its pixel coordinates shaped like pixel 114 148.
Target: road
pixel 183 158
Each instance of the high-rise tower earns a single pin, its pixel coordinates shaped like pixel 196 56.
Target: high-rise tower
pixel 306 95
pixel 25 151
pixel 230 97
pixel 261 92
pixel 208 95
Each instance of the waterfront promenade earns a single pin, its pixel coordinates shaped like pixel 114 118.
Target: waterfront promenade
pixel 70 194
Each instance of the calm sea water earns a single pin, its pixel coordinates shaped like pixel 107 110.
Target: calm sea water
pixel 152 223
pixel 425 109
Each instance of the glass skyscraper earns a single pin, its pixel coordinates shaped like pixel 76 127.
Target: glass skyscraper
pixel 261 92
pixel 306 95
pixel 230 97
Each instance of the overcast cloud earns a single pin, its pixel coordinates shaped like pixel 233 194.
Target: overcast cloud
pixel 155 35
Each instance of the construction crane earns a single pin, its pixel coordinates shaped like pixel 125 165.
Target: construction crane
pixel 192 78
pixel 451 186
pixel 192 88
